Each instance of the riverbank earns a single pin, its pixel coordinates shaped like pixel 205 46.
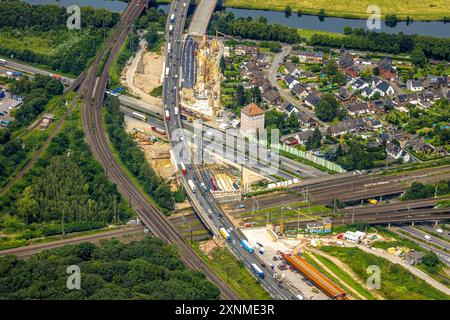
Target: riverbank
pixel 426 10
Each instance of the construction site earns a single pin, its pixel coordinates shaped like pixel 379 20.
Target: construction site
pixel 201 78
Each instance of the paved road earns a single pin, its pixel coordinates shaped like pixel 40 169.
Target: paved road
pixel 445 257
pixel 202 16
pixel 286 93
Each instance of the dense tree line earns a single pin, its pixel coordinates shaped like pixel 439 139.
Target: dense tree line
pixel 18 14
pixel 134 158
pixel 355 155
pixel 225 22
pixel 65 185
pixel 147 269
pixel 361 39
pixel 419 190
pixel 20 17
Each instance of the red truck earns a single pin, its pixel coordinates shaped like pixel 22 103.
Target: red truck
pixel 159 131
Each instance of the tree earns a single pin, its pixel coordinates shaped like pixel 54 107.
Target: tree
pixel 223 64
pixel 328 108
pixel 239 95
pixel 418 57
pixel 256 95
pixel 322 14
pixel 376 71
pixel 288 11
pixel 314 141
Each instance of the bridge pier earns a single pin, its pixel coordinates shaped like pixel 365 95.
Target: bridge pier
pixel 412 224
pixel 389 225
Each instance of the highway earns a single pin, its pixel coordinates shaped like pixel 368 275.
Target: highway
pixel 203 201
pixel 97 139
pixel 414 236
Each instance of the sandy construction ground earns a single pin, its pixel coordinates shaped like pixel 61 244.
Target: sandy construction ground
pixel 141 83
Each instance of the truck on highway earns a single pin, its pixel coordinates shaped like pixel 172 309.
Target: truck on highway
pixel 172 18
pixel 192 186
pixel 139 116
pixel 171 28
pixel 246 245
pixel 257 270
pixel 158 131
pixel 167 115
pixel 168 47
pixel 3 62
pixel 167 71
pixel 183 168
pixel 225 234
pixel 175 110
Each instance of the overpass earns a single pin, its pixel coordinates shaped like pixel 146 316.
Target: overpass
pixel 202 16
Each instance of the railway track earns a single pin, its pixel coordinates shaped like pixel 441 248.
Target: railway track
pixel 26 252
pixel 99 144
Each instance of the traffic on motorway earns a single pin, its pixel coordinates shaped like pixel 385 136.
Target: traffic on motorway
pixel 202 200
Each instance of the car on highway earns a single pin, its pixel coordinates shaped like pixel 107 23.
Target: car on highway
pixel 427 237
pixel 439 230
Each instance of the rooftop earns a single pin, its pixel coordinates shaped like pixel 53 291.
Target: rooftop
pixel 252 110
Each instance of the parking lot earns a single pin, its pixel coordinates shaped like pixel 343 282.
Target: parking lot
pixel 290 277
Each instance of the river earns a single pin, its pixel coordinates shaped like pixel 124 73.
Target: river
pixel 433 28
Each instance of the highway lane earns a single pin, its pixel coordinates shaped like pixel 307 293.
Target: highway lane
pixel 421 234
pixel 444 256
pixel 203 201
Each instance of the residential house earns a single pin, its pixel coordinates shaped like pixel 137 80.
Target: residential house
pixel 306 120
pixel 241 50
pixel 345 61
pixel 312 100
pixel 387 70
pixel 300 91
pixel 358 84
pixel 358 109
pixel 309 56
pixel 418 145
pixel 397 153
pixel 384 88
pixel 414 85
pixel 291 81
pixel 291 69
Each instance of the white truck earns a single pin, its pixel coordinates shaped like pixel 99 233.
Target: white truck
pixel 167 71
pixel 168 47
pixel 192 186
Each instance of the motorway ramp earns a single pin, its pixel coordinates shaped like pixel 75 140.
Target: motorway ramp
pixel 202 16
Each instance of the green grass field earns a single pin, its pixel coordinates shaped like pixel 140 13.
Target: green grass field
pixel 418 10
pixel 396 282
